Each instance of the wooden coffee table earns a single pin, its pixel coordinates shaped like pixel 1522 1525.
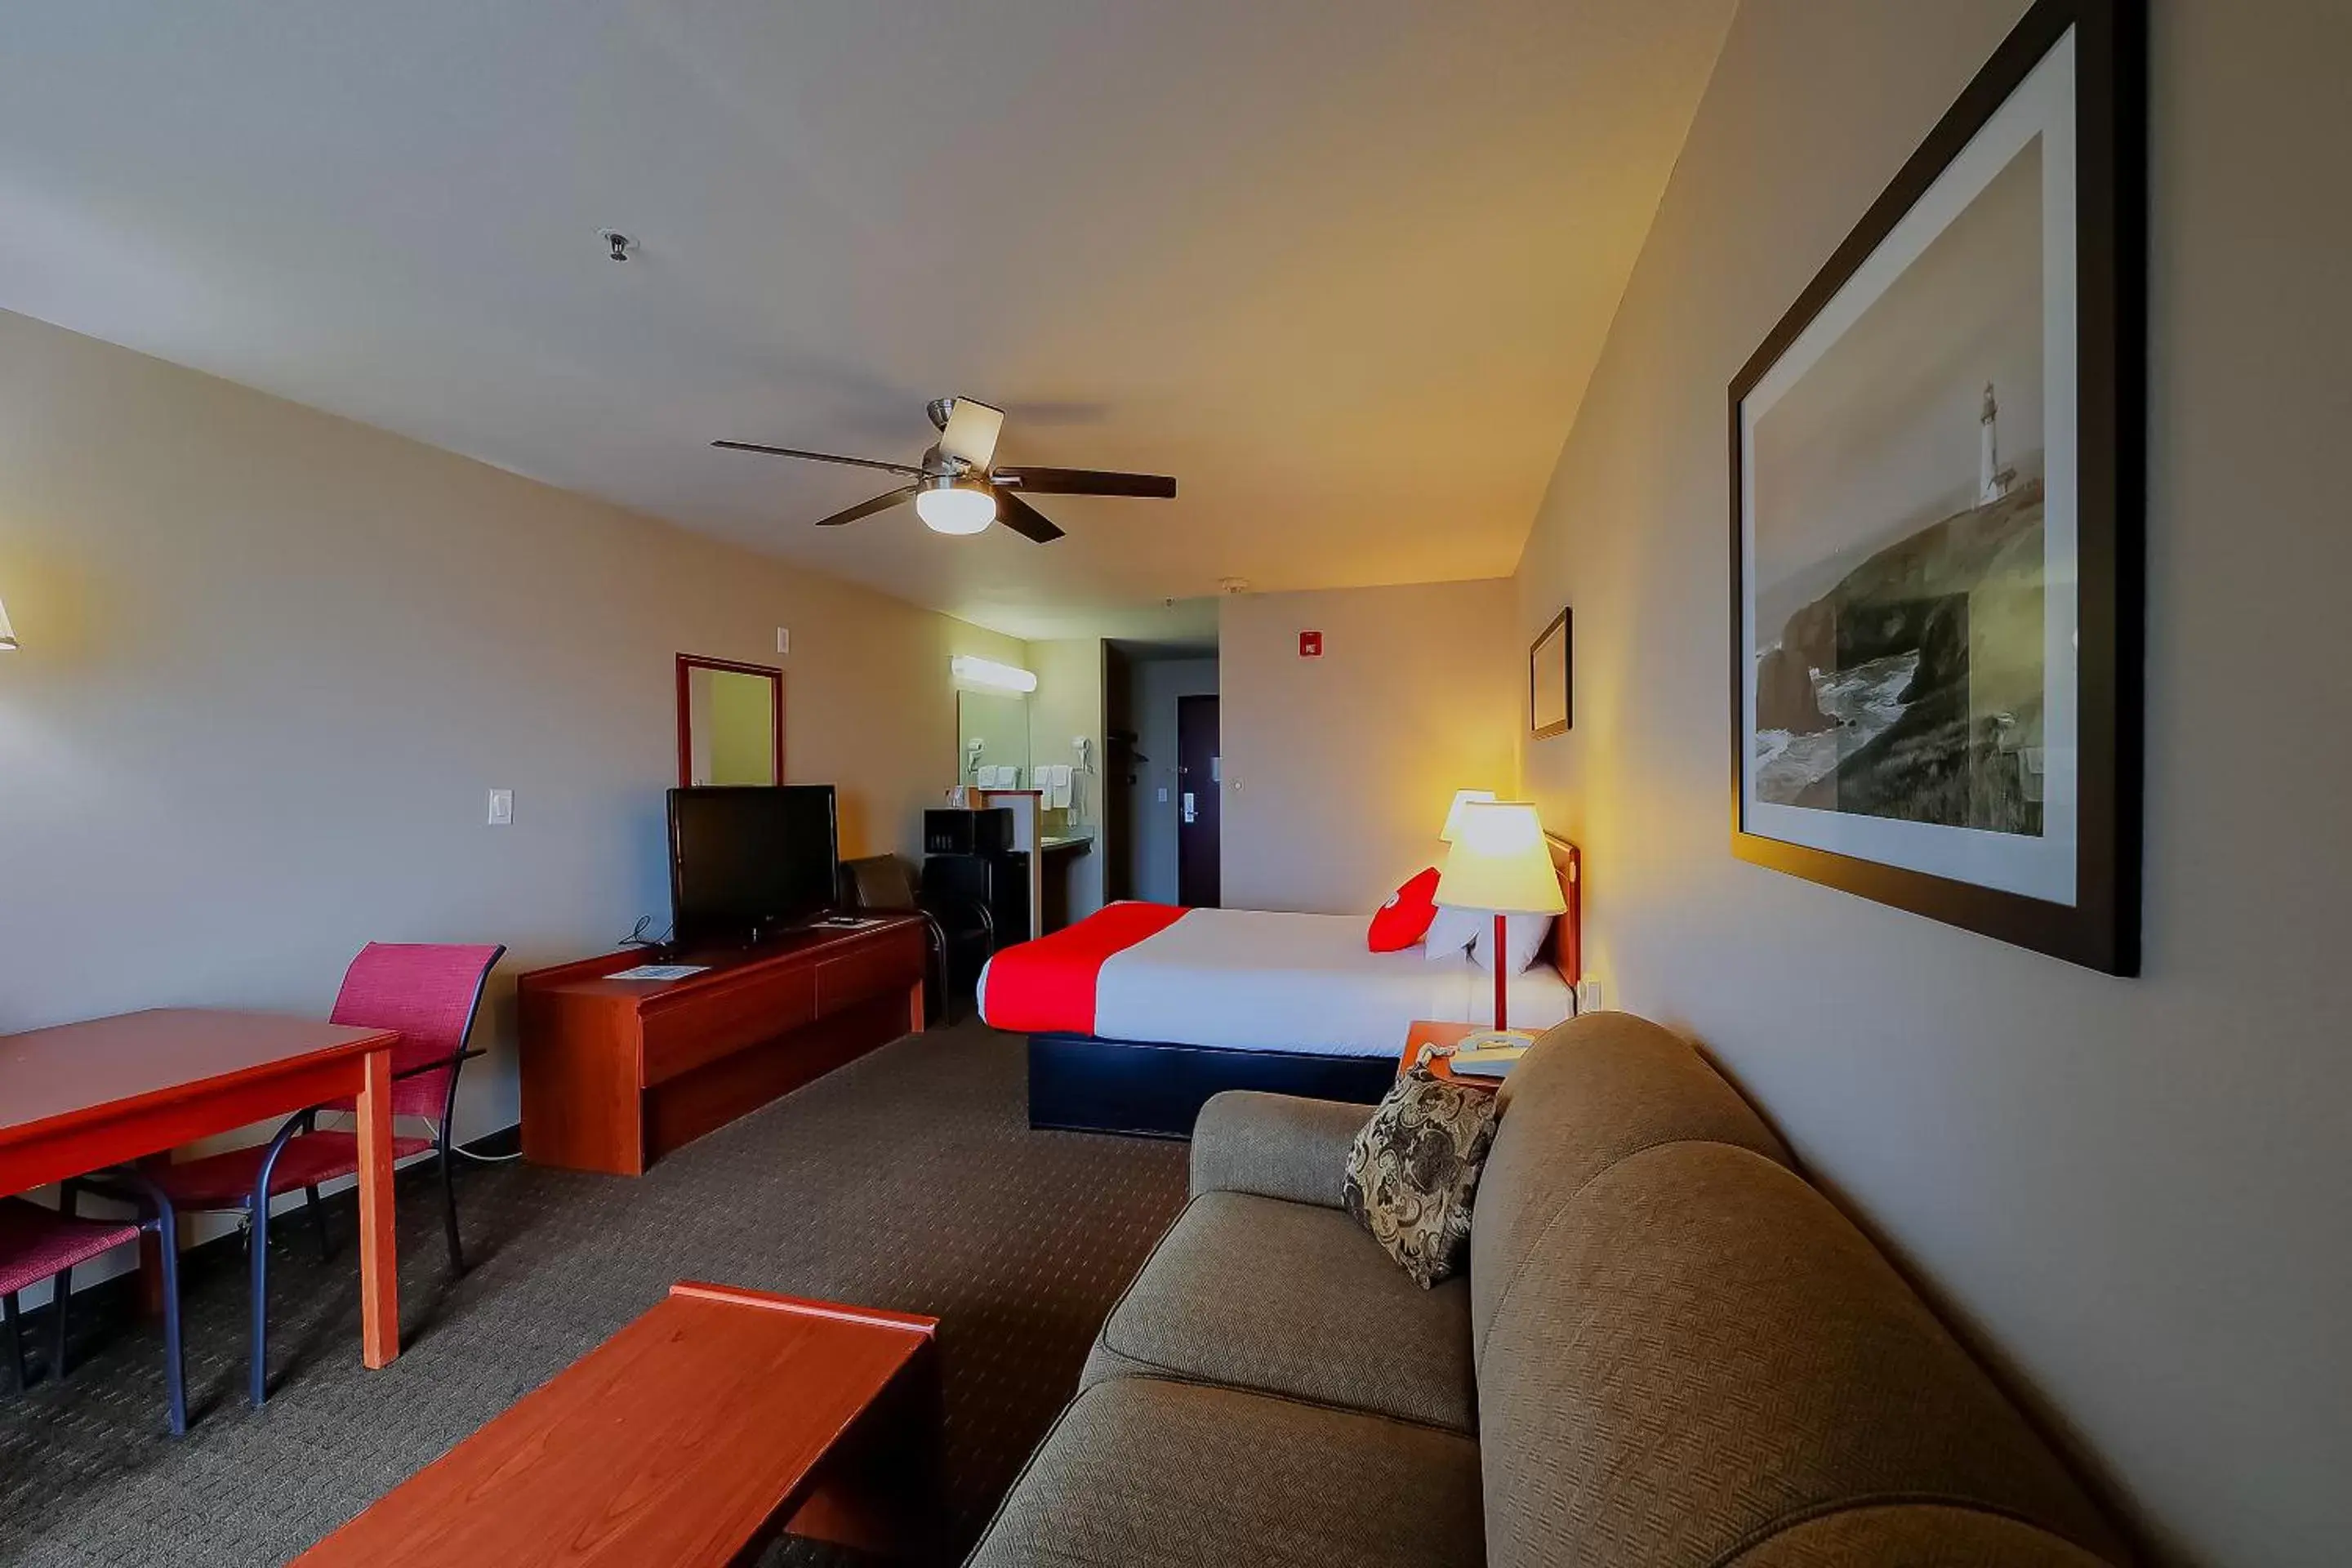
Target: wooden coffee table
pixel 691 1438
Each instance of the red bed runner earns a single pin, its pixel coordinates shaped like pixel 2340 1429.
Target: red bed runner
pixel 1047 986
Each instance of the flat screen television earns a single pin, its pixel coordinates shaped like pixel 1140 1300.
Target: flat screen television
pixel 746 860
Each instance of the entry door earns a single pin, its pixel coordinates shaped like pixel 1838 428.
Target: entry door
pixel 1199 776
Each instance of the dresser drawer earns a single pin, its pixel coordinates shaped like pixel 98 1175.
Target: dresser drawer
pixel 683 1034
pixel 892 961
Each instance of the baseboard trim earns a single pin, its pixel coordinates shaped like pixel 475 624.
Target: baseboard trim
pixel 496 1145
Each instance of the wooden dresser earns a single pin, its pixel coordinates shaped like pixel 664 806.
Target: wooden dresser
pixel 616 1073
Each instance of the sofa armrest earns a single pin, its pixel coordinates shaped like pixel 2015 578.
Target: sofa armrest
pixel 1276 1145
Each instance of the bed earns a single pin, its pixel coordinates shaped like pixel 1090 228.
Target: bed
pixel 1139 1013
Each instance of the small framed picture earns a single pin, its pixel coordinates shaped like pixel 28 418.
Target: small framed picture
pixel 1550 663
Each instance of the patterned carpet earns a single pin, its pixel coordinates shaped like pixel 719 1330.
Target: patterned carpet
pixel 908 1179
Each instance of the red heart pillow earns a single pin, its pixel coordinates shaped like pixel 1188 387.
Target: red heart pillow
pixel 1406 918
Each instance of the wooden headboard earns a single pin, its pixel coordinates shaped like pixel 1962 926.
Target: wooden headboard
pixel 1567 931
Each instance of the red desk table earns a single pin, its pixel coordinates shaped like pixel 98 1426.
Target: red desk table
pixel 80 1096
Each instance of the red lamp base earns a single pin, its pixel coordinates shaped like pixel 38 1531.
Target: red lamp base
pixel 1502 974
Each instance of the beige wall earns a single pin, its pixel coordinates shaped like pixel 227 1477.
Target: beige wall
pixel 274 661
pixel 2134 1194
pixel 1339 769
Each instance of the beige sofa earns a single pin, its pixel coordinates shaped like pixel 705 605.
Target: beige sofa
pixel 1669 1350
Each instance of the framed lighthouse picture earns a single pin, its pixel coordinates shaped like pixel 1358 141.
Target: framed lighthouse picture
pixel 1935 520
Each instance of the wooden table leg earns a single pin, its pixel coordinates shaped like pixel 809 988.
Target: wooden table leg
pixel 881 1489
pixel 379 1259
pixel 915 1008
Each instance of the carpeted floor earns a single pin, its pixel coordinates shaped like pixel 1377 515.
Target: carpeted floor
pixel 908 1179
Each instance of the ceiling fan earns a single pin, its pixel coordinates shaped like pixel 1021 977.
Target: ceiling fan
pixel 956 491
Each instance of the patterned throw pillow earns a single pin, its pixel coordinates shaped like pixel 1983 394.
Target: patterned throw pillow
pixel 1414 1167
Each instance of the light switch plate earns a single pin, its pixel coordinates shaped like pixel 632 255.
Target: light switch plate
pixel 501 808
pixel 1588 997
pixel 784 640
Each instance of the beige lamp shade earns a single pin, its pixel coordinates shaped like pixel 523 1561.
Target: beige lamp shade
pixel 1461 797
pixel 1500 861
pixel 7 632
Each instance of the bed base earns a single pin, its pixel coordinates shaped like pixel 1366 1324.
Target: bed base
pixel 1144 1089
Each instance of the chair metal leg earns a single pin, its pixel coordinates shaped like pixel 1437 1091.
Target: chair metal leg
pixel 449 1207
pixel 132 1186
pixel 256 1382
pixel 257 1377
pixel 318 1220
pixel 16 1342
pixel 60 1290
pixel 175 1385
pixel 938 943
pixel 61 1284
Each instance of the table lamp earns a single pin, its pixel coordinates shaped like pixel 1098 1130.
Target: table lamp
pixel 1461 797
pixel 7 633
pixel 1498 861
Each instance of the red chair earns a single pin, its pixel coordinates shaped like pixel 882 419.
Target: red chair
pixel 430 993
pixel 37 1244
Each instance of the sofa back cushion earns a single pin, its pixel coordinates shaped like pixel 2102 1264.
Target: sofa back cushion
pixel 1912 1532
pixel 1703 1361
pixel 1587 1094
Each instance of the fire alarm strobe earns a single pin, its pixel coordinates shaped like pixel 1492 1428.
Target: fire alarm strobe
pixel 1310 644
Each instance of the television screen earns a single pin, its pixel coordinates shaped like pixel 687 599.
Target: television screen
pixel 745 860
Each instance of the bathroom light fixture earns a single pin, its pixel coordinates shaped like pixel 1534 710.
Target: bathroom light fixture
pixel 995 677
pixel 7 633
pixel 949 505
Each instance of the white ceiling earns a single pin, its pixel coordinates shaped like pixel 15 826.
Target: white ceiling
pixel 1343 270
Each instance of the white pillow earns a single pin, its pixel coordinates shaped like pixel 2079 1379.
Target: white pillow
pixel 1453 930
pixel 1523 938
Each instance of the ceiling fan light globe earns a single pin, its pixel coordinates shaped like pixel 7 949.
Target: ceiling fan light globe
pixel 955 509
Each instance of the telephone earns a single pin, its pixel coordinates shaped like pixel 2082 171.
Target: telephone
pixel 1489 1053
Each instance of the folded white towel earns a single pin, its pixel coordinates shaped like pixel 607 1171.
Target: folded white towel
pixel 1055 780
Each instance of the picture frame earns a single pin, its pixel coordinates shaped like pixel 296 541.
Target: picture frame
pixel 1552 670
pixel 1937 462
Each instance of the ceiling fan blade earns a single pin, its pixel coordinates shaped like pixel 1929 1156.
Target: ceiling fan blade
pixel 1024 519
pixel 1086 482
pixel 869 507
pixel 820 457
pixel 971 432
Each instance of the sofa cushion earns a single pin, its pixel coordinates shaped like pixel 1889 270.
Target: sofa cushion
pixel 1290 1299
pixel 1141 1472
pixel 1276 1145
pixel 1701 1351
pixel 1917 1535
pixel 1586 1095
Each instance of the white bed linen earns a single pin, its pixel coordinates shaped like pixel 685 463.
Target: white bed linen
pixel 1259 980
